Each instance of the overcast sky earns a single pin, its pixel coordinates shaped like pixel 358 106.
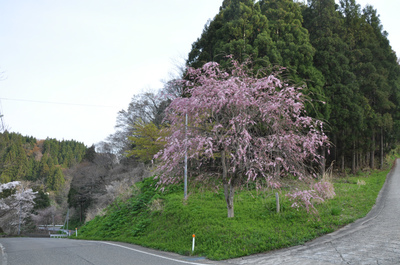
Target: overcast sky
pixel 70 66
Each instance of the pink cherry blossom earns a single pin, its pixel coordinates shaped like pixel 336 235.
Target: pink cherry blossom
pixel 250 127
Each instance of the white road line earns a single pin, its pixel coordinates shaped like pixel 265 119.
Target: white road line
pixel 151 254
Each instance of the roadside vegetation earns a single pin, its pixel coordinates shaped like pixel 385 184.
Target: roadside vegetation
pixel 166 221
pixel 282 104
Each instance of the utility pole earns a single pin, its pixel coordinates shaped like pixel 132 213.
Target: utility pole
pixel 2 126
pixel 185 170
pixel 20 212
pixel 67 217
pixel 19 223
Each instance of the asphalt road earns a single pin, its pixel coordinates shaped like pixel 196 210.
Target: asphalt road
pixel 374 239
pixel 51 251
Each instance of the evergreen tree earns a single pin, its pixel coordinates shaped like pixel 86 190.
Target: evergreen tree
pixel 326 28
pixel 42 200
pixel 239 29
pixel 21 159
pixel 10 167
pixel 22 162
pixel 90 154
pixel 55 181
pixel 382 88
pixel 271 34
pixel 355 57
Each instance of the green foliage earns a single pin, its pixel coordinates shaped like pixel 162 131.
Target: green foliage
pixel 240 29
pixel 145 141
pixel 339 51
pixel 13 157
pixel 270 33
pixel 90 154
pixel 68 153
pixel 7 193
pixel 25 158
pixel 55 181
pixel 359 66
pixel 256 227
pixel 41 200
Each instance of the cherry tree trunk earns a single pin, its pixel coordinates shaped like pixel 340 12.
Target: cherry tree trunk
pixel 323 161
pixel 228 186
pixel 229 192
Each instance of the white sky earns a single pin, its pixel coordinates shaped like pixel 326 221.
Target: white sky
pixel 96 54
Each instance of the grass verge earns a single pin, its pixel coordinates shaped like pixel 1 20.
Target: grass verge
pixel 165 221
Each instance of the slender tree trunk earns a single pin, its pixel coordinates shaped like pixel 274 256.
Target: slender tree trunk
pixel 81 213
pixel 372 162
pixel 362 158
pixel 228 187
pixel 343 152
pixel 229 193
pixel 342 162
pixel 362 162
pixel 323 162
pixel 335 150
pixel 381 147
pixel 353 162
pixel 357 159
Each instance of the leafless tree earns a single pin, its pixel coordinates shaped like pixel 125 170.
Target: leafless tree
pixel 94 183
pixel 148 107
pixel 48 216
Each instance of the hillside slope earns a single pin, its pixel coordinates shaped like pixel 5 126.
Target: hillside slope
pixel 165 221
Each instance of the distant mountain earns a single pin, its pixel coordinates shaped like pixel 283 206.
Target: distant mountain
pixel 40 161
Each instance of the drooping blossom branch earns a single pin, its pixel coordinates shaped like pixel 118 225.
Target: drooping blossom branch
pixel 259 125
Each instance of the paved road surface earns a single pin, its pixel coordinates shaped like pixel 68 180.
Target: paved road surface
pixel 374 239
pixel 50 251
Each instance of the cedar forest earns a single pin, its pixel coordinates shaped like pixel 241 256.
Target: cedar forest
pixel 339 53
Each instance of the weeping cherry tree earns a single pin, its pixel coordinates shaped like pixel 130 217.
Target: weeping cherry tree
pixel 251 128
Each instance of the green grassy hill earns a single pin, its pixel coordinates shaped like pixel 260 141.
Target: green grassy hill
pixel 165 221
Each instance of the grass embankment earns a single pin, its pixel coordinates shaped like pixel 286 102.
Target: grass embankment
pixel 167 222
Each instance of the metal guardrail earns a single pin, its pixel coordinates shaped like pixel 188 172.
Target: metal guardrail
pixel 65 233
pixel 58 235
pixel 49 226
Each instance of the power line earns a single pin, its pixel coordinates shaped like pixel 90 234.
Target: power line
pixel 58 103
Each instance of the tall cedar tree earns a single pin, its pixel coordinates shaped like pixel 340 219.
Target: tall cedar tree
pixel 359 67
pixel 369 50
pixel 20 159
pixel 270 33
pixel 326 28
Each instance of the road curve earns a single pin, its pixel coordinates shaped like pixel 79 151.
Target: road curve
pixel 374 239
pixel 51 251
